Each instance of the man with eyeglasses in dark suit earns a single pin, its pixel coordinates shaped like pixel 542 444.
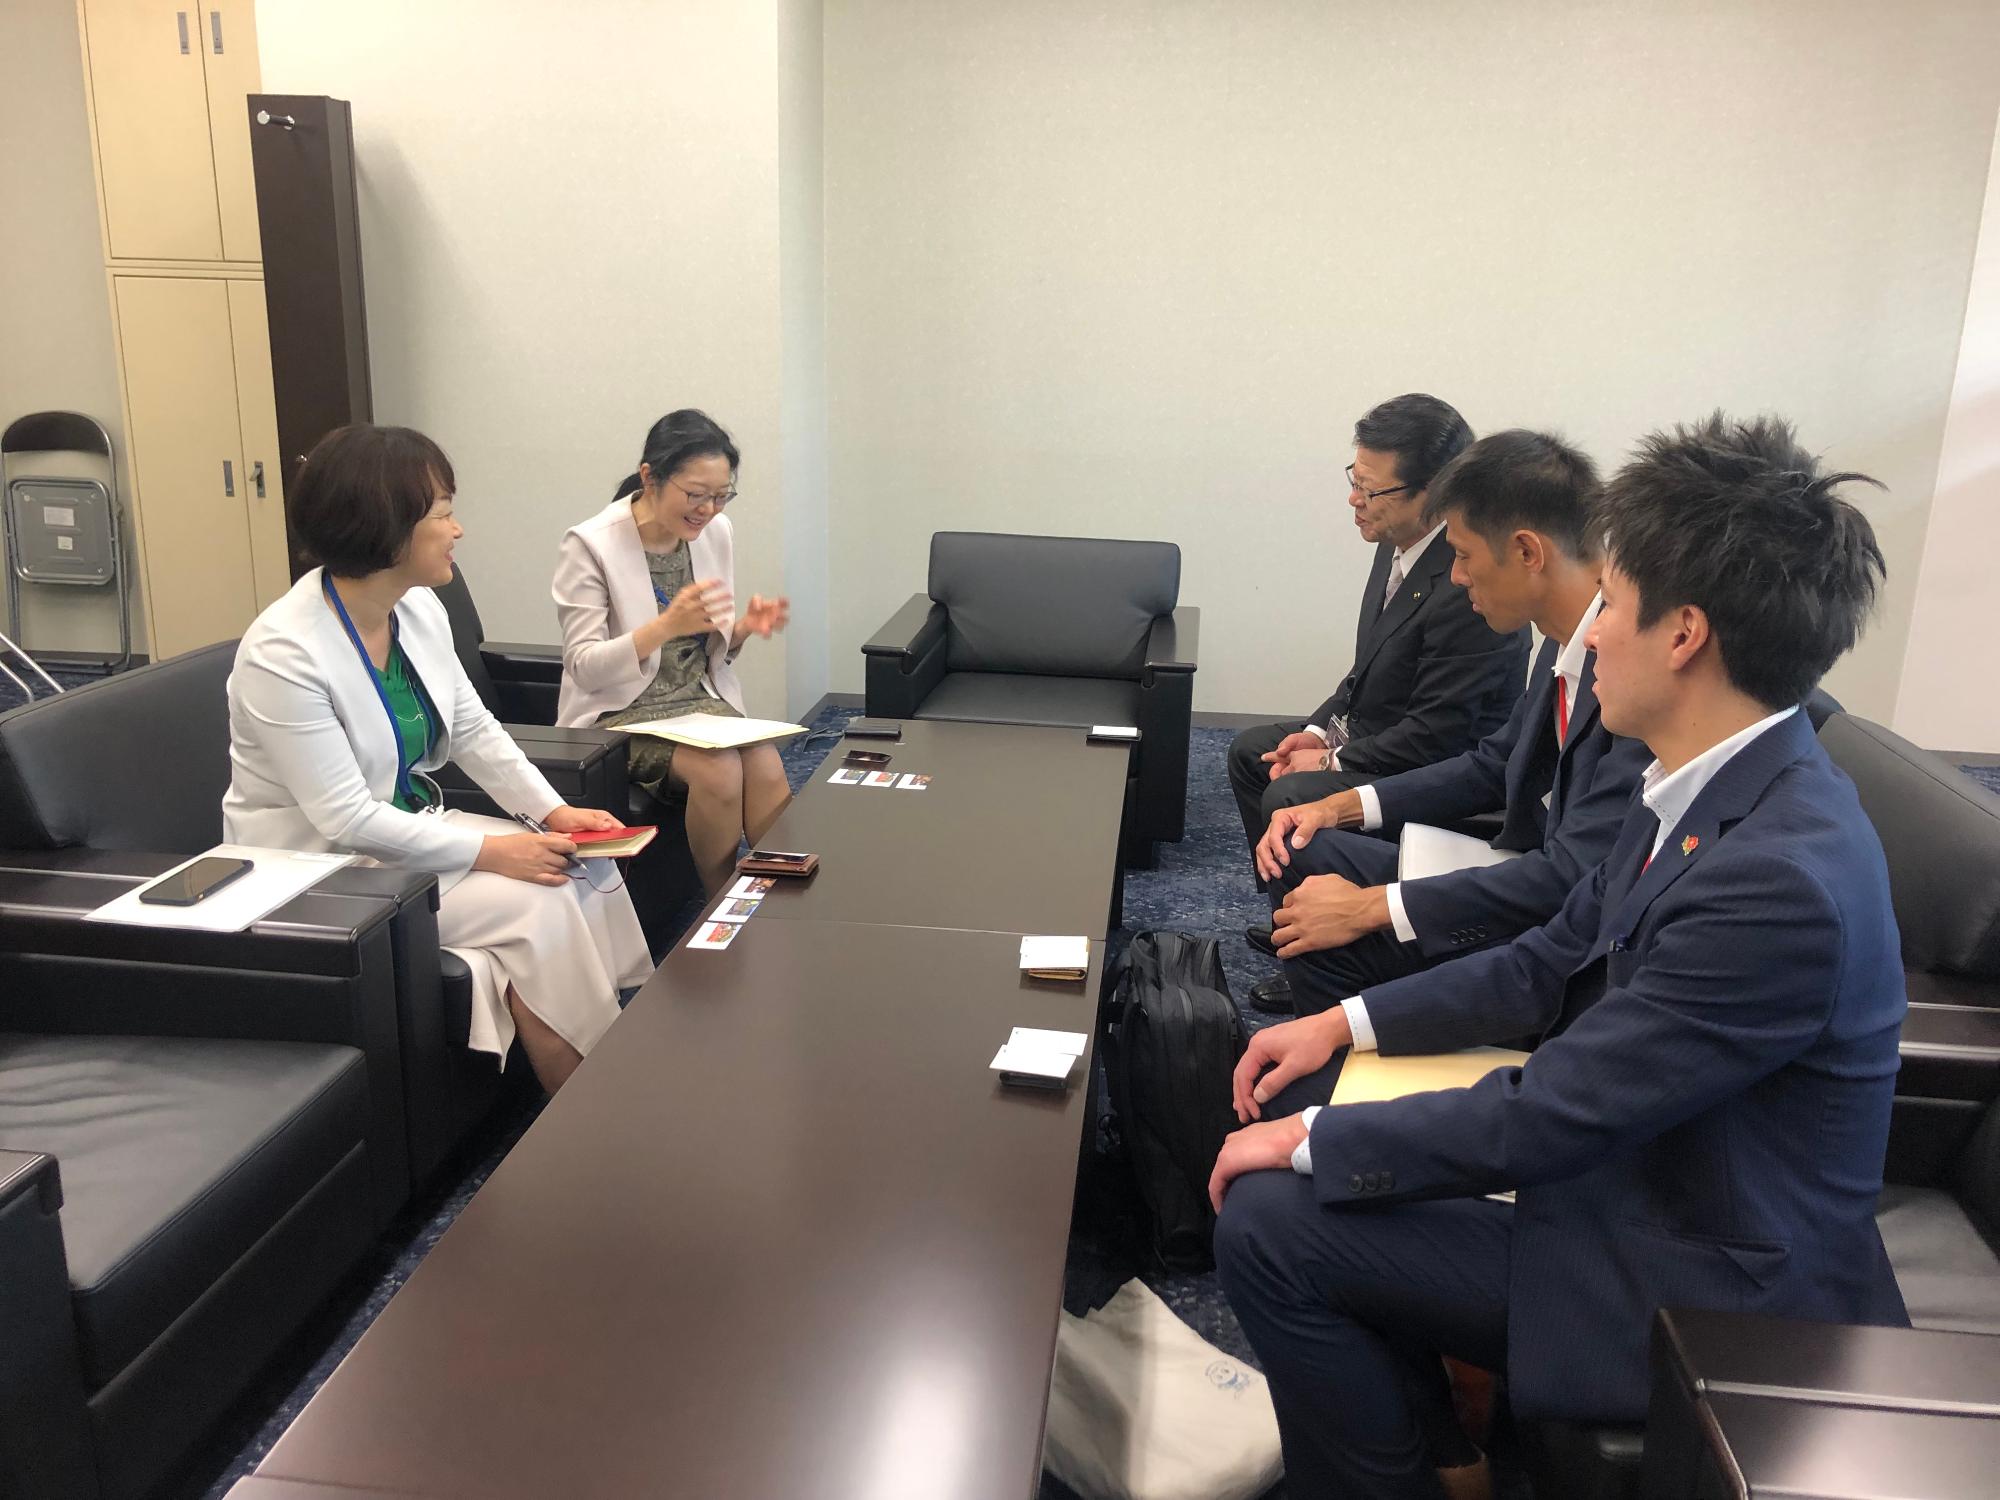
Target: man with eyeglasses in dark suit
pixel 1430 678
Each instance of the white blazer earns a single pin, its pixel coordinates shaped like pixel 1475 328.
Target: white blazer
pixel 604 591
pixel 312 755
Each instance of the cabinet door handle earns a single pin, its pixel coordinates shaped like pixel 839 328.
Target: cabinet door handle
pixel 257 477
pixel 215 26
pixel 181 20
pixel 228 478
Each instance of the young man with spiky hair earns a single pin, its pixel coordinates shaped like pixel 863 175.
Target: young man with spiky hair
pixel 1704 1120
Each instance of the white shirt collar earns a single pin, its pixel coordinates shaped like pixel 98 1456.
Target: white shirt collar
pixel 1569 660
pixel 1668 797
pixel 1416 548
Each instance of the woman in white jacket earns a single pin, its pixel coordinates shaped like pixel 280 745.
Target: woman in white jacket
pixel 347 690
pixel 645 590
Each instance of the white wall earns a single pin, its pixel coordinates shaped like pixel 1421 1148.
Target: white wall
pixel 802 334
pixel 56 347
pixel 1947 699
pixel 1133 269
pixel 570 225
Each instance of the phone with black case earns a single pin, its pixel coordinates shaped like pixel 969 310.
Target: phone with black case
pixel 198 881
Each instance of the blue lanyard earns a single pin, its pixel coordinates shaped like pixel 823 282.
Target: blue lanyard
pixel 404 791
pixel 660 594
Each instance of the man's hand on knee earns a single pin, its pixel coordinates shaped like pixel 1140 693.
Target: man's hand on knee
pixel 1264 1147
pixel 1328 911
pixel 1278 1054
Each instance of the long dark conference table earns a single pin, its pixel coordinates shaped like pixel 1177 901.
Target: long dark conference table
pixel 783 1234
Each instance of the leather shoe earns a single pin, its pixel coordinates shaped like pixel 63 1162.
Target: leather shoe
pixel 1273 996
pixel 1260 936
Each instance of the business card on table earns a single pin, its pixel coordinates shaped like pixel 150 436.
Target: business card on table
pixel 753 887
pixel 1036 1039
pixel 1034 1067
pixel 1055 957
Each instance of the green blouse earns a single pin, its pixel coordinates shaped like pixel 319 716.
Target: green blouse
pixel 413 722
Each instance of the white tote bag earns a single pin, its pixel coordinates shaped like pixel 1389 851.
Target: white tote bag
pixel 1142 1408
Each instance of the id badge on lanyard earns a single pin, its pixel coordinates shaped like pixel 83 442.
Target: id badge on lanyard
pixel 405 771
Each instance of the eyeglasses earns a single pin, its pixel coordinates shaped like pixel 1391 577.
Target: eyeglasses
pixel 718 501
pixel 1368 494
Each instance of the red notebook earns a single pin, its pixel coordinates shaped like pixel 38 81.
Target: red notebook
pixel 613 843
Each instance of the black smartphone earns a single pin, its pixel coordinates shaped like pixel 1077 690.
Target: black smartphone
pixel 202 878
pixel 873 729
pixel 874 759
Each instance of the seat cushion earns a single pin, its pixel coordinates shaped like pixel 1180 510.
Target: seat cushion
pixel 176 1155
pixel 1010 698
pixel 1949 1274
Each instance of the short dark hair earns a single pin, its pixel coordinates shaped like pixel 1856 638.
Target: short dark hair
pixel 682 436
pixel 360 493
pixel 1423 432
pixel 1735 518
pixel 1518 479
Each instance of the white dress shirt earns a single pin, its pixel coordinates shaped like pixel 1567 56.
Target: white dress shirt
pixel 1667 797
pixel 1569 667
pixel 1399 568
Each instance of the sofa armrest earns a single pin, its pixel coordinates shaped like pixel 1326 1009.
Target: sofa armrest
pixel 321 968
pixel 44 1424
pixel 587 767
pixel 910 632
pixel 1174 643
pixel 1949 1078
pixel 512 661
pixel 905 660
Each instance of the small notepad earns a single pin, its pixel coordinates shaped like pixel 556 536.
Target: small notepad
pixel 1055 957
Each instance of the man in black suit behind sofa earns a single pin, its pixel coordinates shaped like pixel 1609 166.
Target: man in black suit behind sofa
pixel 1429 679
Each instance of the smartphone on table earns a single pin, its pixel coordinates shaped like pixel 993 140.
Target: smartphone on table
pixel 201 879
pixel 873 759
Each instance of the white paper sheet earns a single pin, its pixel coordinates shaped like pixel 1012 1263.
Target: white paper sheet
pixel 276 875
pixel 715 731
pixel 1428 851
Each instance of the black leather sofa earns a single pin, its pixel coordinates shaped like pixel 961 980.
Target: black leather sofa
pixel 198 1139
pixel 124 778
pixel 1066 631
pixel 1940 1207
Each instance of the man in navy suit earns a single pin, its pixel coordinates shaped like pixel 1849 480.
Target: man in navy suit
pixel 1704 1120
pixel 1429 676
pixel 1516 509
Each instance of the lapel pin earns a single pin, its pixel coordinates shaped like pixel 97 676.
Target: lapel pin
pixel 1689 845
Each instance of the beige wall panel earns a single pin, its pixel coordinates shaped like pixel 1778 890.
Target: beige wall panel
pixel 152 130
pixel 257 417
pixel 180 385
pixel 232 78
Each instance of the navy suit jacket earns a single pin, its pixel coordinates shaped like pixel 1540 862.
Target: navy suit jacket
pixel 1704 1124
pixel 1429 677
pixel 1589 780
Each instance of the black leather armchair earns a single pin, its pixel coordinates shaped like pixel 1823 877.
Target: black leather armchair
pixel 197 1142
pixel 1066 631
pixel 1940 1208
pixel 124 778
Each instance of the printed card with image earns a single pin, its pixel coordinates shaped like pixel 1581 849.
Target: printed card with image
pixel 846 776
pixel 912 782
pixel 715 935
pixel 880 778
pixel 737 908
pixel 756 887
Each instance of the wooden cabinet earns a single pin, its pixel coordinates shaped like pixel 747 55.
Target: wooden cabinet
pixel 168 84
pixel 203 437
pixel 169 80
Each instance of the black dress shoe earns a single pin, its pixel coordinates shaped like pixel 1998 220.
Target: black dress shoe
pixel 1259 937
pixel 1273 996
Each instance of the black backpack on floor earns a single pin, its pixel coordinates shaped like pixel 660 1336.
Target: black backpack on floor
pixel 1172 1041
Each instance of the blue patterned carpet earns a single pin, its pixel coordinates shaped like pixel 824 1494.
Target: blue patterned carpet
pixel 1202 886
